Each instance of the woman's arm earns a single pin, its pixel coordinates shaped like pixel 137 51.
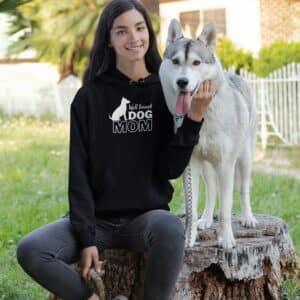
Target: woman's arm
pixel 175 156
pixel 81 202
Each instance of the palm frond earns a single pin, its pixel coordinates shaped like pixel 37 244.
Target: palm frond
pixel 11 5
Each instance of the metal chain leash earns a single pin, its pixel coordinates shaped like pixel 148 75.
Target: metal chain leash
pixel 187 183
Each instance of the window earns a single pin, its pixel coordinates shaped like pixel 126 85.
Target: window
pixel 192 22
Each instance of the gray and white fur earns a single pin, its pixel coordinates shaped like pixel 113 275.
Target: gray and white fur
pixel 228 135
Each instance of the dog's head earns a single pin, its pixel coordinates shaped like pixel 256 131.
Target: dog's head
pixel 186 64
pixel 124 100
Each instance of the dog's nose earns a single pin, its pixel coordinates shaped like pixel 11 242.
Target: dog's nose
pixel 182 82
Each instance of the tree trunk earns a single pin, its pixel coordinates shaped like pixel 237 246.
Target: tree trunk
pixel 253 270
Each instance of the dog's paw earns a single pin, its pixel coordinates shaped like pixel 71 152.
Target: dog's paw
pixel 226 241
pixel 204 223
pixel 249 221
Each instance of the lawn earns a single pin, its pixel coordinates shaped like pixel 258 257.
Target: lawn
pixel 33 192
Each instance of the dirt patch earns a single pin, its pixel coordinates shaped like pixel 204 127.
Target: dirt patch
pixel 278 161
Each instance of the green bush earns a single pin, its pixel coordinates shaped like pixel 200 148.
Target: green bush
pixel 231 56
pixel 270 58
pixel 275 56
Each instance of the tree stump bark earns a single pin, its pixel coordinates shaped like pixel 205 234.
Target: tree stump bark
pixel 252 270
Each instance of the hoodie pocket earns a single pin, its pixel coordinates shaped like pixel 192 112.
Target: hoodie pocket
pixel 109 182
pixel 104 184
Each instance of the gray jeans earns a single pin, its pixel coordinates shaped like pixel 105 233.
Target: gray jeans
pixel 45 253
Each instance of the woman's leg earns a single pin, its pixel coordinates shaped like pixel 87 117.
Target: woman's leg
pixel 45 255
pixel 163 234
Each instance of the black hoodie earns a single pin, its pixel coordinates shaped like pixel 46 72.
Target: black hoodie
pixel 122 154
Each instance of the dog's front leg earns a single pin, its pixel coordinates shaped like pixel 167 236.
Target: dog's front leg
pixel 208 175
pixel 244 165
pixel 191 193
pixel 226 180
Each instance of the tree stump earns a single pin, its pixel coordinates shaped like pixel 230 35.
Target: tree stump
pixel 252 270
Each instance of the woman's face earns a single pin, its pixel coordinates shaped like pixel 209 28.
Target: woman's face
pixel 129 36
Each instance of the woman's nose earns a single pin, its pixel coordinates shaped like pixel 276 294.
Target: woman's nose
pixel 133 36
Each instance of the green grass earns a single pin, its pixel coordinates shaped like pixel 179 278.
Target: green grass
pixel 33 192
pixel 291 289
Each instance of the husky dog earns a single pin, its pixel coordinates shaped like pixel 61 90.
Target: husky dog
pixel 227 138
pixel 120 110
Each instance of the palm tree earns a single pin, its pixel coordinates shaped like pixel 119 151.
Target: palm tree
pixel 18 23
pixel 61 31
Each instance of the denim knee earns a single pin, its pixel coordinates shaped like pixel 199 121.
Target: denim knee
pixel 168 228
pixel 27 256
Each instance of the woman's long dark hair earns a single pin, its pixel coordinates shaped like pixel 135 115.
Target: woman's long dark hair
pixel 102 58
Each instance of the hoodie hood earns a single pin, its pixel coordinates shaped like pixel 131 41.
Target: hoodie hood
pixel 115 76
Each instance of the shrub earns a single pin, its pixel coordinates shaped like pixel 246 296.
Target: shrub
pixel 275 56
pixel 232 56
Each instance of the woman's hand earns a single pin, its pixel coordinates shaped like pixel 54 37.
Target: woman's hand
pixel 89 258
pixel 200 101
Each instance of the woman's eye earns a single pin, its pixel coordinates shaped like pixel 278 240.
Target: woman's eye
pixel 141 28
pixel 175 61
pixel 121 32
pixel 196 62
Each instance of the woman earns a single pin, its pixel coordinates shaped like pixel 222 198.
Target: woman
pixel 122 154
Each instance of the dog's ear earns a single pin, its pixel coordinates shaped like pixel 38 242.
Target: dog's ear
pixel 208 35
pixel 174 32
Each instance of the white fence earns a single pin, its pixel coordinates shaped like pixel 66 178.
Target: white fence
pixel 277 99
pixel 54 99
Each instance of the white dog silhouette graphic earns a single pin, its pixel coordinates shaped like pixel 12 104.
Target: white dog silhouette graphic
pixel 120 110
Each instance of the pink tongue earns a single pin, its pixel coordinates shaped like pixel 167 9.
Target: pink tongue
pixel 183 103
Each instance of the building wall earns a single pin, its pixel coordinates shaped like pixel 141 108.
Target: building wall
pixel 242 19
pixel 151 5
pixel 280 19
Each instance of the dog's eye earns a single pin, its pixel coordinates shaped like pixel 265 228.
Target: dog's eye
pixel 175 61
pixel 196 62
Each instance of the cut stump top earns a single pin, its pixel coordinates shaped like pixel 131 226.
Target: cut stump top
pixel 270 239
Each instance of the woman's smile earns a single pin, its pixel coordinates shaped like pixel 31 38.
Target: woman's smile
pixel 134 48
pixel 129 37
